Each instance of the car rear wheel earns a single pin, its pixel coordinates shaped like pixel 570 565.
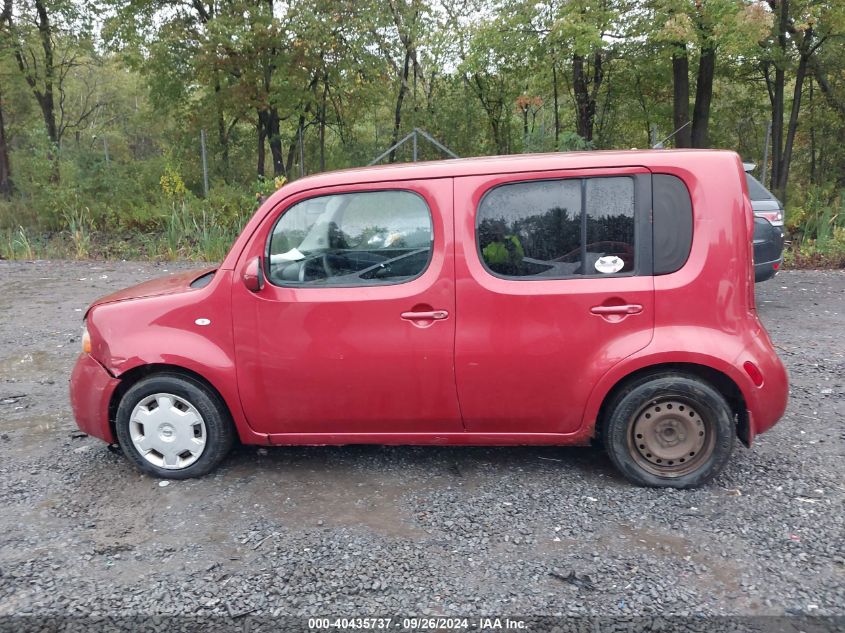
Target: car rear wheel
pixel 173 426
pixel 669 431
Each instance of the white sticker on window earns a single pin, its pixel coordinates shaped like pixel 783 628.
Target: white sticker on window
pixel 609 264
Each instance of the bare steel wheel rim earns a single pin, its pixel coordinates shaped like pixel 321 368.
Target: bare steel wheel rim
pixel 671 437
pixel 167 431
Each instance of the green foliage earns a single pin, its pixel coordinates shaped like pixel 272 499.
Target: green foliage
pixel 138 82
pixel 17 245
pixel 817 229
pixel 79 225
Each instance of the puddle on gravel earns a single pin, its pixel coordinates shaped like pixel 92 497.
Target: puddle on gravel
pixel 33 424
pixel 309 493
pixel 27 365
pixel 337 499
pixel 644 538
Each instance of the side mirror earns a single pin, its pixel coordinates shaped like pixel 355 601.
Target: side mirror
pixel 254 275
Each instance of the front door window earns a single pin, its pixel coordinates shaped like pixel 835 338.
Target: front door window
pixel 352 239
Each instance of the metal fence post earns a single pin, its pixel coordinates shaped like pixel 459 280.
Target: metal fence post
pixel 301 154
pixel 765 166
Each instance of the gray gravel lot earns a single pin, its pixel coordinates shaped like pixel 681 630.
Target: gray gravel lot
pixel 375 530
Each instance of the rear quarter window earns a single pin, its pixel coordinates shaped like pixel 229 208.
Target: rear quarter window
pixel 672 223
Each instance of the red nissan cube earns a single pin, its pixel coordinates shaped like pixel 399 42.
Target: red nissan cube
pixel 539 299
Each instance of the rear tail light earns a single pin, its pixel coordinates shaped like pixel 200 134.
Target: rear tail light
pixel 774 217
pixel 753 372
pixel 776 265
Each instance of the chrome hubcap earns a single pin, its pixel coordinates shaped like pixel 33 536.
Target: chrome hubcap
pixel 670 438
pixel 167 431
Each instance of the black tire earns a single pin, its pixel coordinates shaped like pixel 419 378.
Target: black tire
pixel 219 429
pixel 710 417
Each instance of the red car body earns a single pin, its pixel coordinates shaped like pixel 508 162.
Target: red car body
pixel 511 363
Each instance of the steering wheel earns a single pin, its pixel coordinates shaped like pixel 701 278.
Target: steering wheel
pixel 328 269
pixel 325 262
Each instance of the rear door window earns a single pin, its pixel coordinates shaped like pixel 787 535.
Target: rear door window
pixel 558 228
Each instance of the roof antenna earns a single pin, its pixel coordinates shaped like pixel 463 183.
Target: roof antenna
pixel 660 144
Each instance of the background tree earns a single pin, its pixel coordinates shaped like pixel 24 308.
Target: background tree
pixel 50 42
pixel 113 96
pixel 6 184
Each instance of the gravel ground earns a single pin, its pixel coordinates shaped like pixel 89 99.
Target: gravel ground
pixel 401 530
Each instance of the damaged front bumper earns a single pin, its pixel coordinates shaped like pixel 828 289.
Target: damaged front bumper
pixel 91 389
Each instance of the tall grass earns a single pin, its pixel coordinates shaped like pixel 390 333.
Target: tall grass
pixel 17 244
pixel 117 213
pixel 213 241
pixel 81 226
pixel 177 232
pixel 817 229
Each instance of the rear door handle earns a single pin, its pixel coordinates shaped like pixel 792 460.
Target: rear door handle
pixel 435 315
pixel 630 308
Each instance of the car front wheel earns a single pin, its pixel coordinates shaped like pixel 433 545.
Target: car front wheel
pixel 173 426
pixel 669 431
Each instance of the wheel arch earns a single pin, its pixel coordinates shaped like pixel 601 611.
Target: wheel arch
pixel 132 376
pixel 719 380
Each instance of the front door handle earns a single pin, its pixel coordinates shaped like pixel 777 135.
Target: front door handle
pixel 436 315
pixel 630 308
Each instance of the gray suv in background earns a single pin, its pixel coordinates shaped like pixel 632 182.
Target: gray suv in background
pixel 768 228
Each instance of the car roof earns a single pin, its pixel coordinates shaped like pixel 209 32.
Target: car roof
pixel 517 163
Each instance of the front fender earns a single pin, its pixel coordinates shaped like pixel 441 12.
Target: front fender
pixel 220 377
pixel 191 331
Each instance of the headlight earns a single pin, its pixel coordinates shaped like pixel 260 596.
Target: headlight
pixel 86 339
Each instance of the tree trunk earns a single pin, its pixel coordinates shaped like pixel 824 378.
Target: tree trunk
pixel 6 185
pixel 579 85
pixel 777 126
pixel 586 90
pixel 525 134
pixel 786 159
pixel 44 96
pixel 813 178
pixel 496 130
pixel 680 98
pixel 293 145
pixel 703 97
pixel 222 135
pixel 45 101
pixel 777 95
pixel 275 141
pixel 323 123
pixel 397 115
pixel 555 100
pixel 833 100
pixel 495 110
pixel 262 136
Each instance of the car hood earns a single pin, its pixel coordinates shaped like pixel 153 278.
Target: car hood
pixel 171 284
